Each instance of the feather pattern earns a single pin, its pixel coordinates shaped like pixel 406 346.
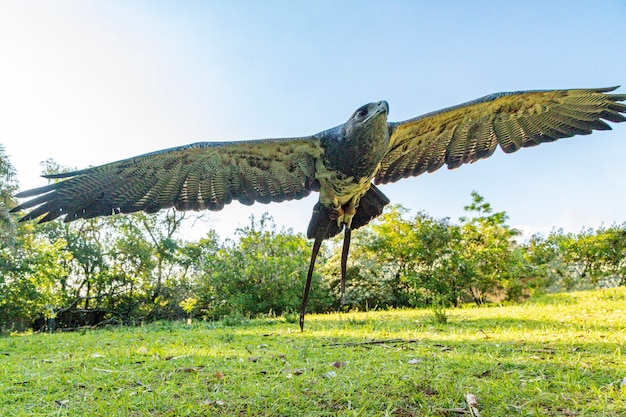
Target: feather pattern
pixel 193 177
pixel 471 131
pixel 211 175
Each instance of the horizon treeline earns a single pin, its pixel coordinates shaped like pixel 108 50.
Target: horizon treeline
pixel 136 268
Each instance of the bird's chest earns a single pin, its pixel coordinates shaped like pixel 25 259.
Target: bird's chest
pixel 337 188
pixel 356 161
pixel 349 162
pixel 355 156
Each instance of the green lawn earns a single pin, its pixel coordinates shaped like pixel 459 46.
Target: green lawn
pixel 560 355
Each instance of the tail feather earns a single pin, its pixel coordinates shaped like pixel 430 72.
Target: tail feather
pixel 322 227
pixel 370 207
pixel 321 221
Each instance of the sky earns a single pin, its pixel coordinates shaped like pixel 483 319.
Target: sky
pixel 86 83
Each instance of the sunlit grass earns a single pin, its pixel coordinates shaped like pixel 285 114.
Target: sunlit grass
pixel 560 355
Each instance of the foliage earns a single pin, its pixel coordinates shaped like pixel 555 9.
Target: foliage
pixel 262 272
pixel 590 258
pixel 31 273
pixel 417 254
pixel 8 187
pixel 428 261
pixel 486 261
pixel 137 268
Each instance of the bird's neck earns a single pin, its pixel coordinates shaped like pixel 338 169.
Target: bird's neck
pixel 357 153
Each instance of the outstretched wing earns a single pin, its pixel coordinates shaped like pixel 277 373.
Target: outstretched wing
pixel 471 131
pixel 199 176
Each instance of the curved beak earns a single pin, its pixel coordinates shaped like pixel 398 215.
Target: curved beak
pixel 382 106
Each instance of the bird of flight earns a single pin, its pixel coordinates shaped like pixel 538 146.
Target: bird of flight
pixel 344 164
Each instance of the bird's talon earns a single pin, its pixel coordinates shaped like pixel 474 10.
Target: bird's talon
pixel 336 213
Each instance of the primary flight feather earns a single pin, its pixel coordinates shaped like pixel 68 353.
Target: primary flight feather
pixel 342 163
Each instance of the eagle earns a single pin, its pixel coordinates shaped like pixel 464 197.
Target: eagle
pixel 345 164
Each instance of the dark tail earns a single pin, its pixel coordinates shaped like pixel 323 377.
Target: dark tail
pixel 371 206
pixel 322 223
pixel 323 227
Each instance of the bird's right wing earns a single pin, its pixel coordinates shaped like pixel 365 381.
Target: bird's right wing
pixel 472 131
pixel 204 175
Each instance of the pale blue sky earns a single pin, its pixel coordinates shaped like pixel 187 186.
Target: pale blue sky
pixel 87 83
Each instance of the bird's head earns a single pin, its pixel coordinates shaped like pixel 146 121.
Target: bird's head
pixel 369 117
pixel 357 147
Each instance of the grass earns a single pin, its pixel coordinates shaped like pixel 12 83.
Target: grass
pixel 560 355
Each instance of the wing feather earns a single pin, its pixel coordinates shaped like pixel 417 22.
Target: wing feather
pixel 199 176
pixel 471 131
pixel 437 157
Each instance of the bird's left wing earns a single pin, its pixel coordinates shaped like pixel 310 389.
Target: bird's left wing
pixel 204 175
pixel 471 131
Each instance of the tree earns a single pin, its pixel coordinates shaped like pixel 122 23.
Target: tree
pixel 595 257
pixel 613 246
pixel 369 282
pixel 261 272
pixel 400 262
pixel 20 297
pixel 417 253
pixel 429 261
pixel 485 251
pixel 546 269
pixel 29 285
pixel 8 187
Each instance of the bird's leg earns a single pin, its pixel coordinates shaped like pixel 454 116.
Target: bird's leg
pixel 309 276
pixel 344 214
pixel 349 211
pixel 336 214
pixel 344 263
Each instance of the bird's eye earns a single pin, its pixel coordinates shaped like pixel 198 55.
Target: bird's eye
pixel 361 113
